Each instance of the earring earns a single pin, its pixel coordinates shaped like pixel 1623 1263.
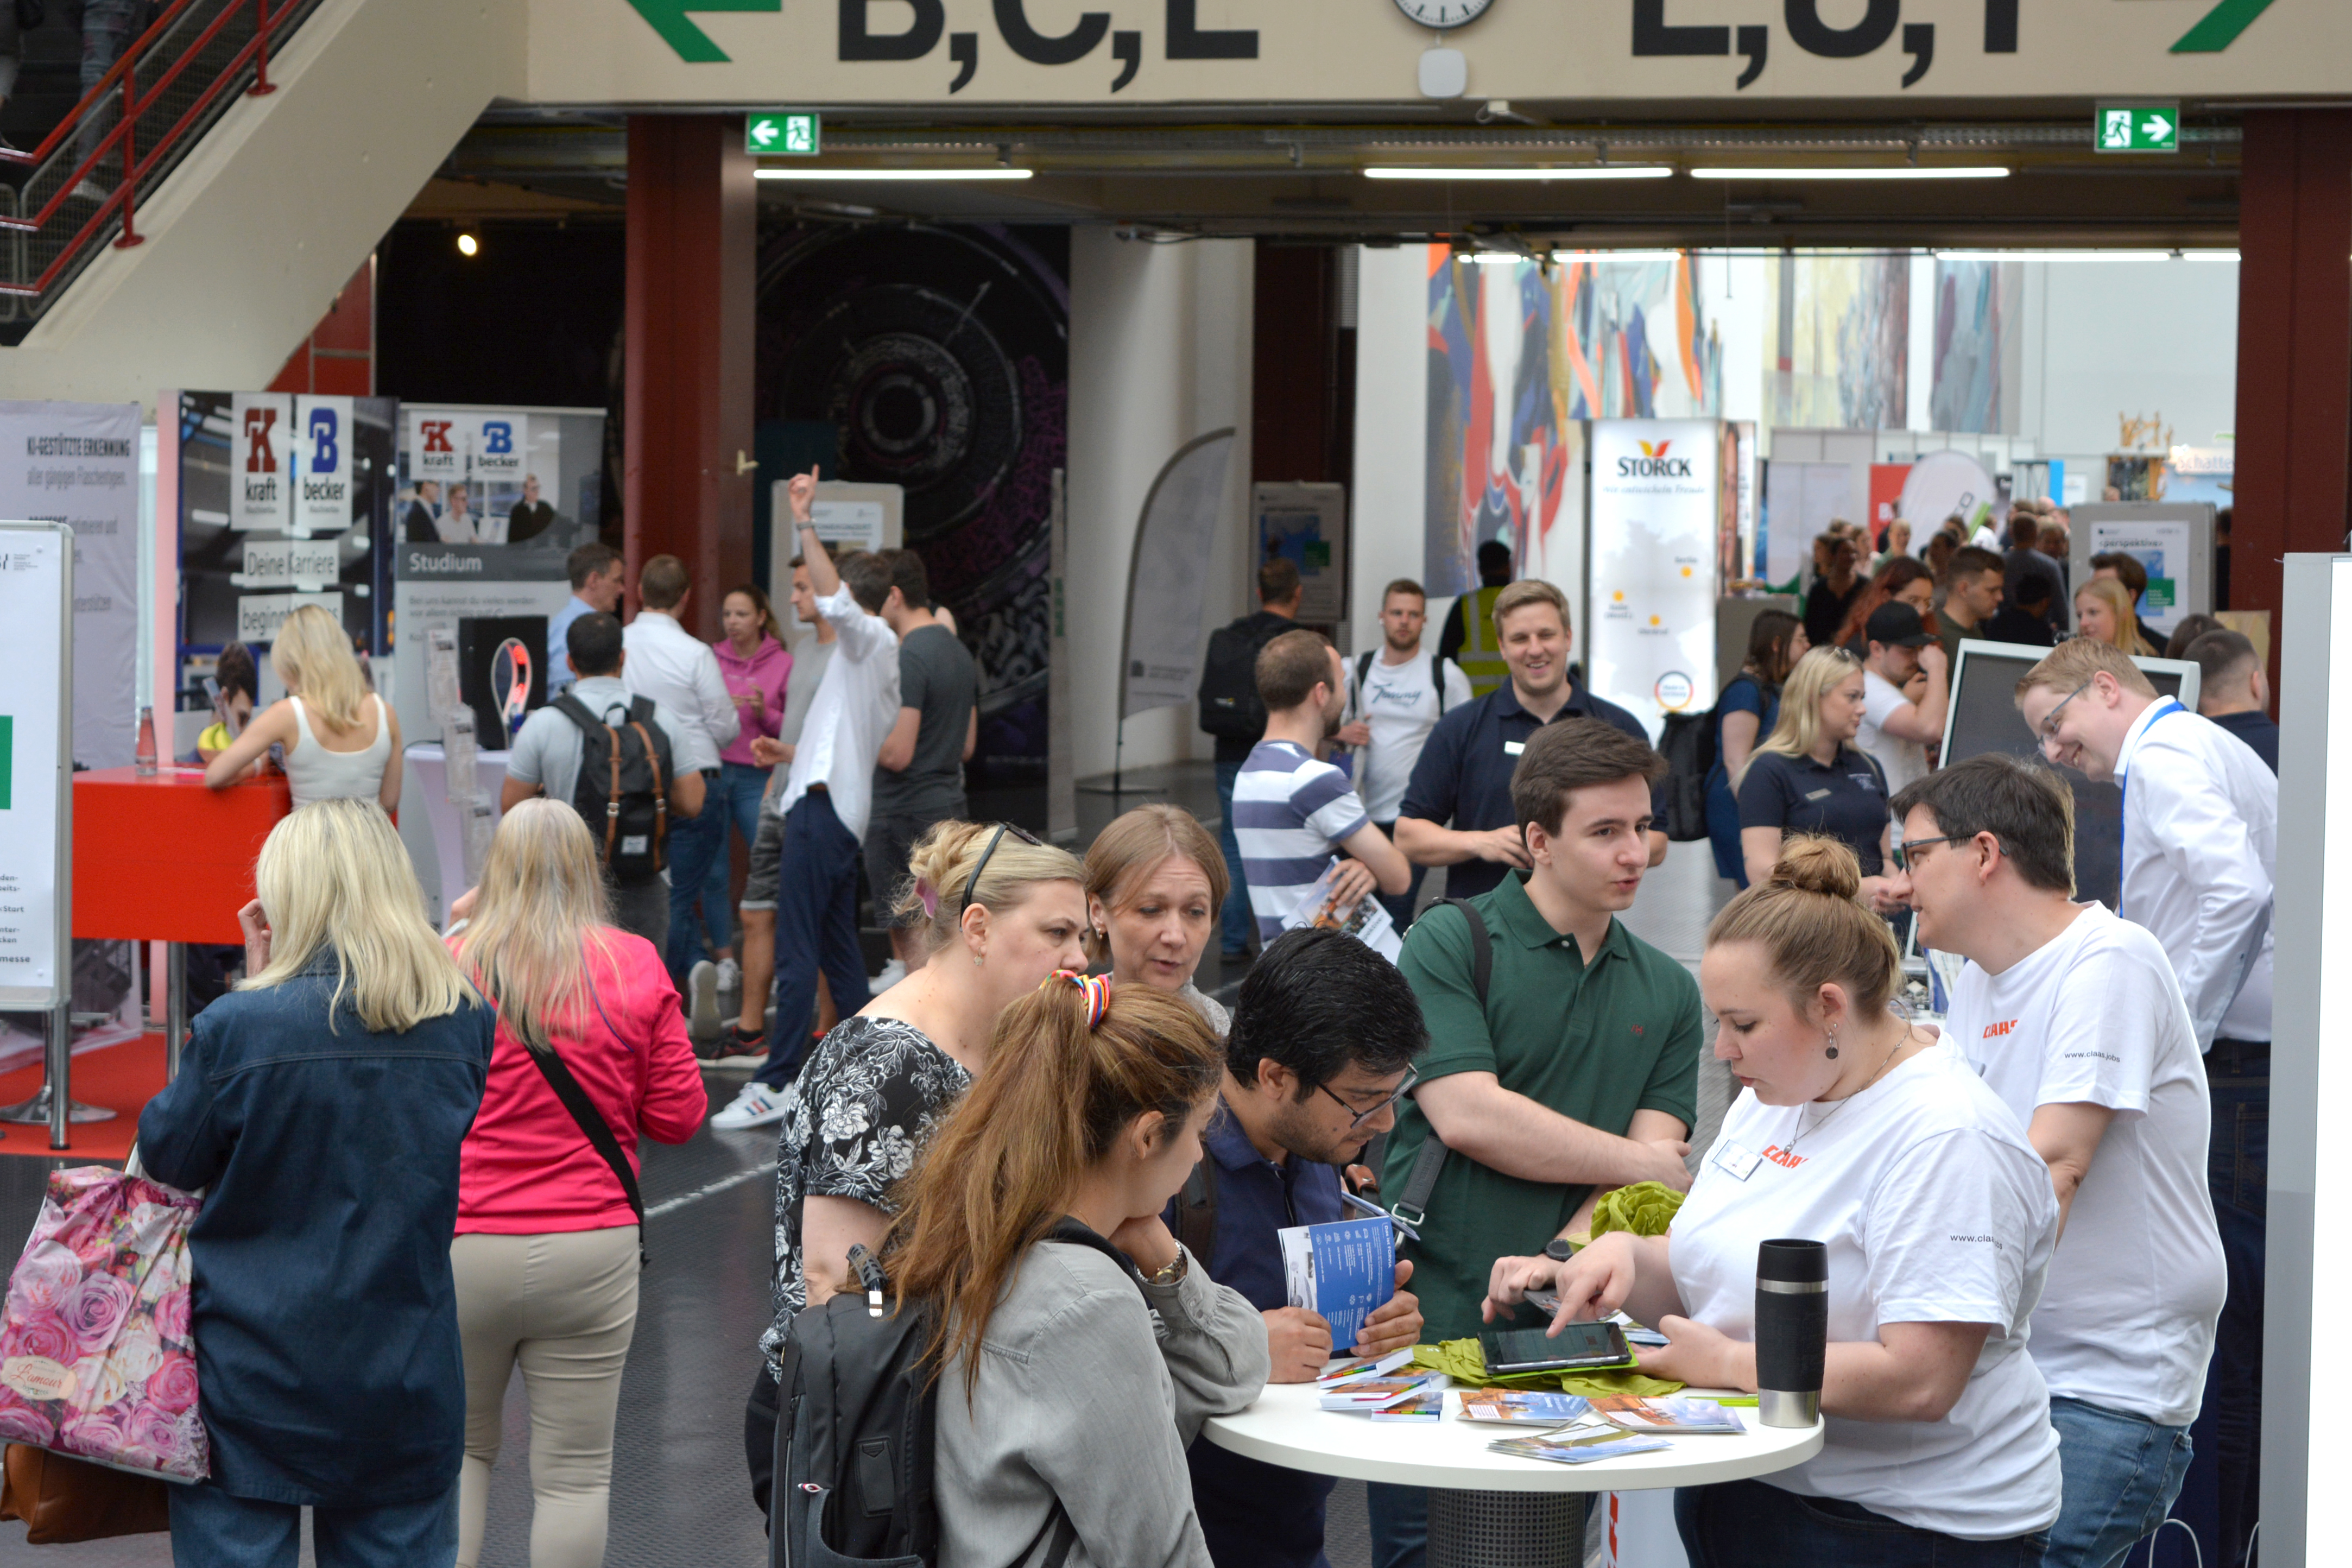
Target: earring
pixel 1832 1038
pixel 978 958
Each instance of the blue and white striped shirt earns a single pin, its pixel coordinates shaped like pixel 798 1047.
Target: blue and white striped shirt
pixel 1290 813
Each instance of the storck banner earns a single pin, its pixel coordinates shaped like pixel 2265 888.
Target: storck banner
pixel 1650 643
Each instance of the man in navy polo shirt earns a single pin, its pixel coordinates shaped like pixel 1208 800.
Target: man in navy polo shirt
pixel 1463 776
pixel 1323 1039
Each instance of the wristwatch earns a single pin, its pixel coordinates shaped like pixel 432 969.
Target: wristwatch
pixel 1173 1272
pixel 1557 1249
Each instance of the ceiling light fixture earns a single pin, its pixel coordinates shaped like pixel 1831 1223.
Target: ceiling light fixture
pixel 799 175
pixel 1892 172
pixel 468 245
pixel 1624 255
pixel 1570 172
pixel 2086 255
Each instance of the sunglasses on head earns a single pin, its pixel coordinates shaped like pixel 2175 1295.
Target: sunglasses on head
pixel 1022 833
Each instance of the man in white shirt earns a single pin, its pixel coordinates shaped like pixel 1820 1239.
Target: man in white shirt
pixel 824 802
pixel 2199 853
pixel 596 569
pixel 678 669
pixel 1395 698
pixel 1895 731
pixel 2074 1019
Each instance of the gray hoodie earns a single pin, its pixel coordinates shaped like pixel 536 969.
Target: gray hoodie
pixel 1077 1399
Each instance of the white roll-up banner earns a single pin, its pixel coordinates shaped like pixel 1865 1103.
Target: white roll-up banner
pixel 1653 522
pixel 35 575
pixel 1167 576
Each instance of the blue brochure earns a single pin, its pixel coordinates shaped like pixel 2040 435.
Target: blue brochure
pixel 1345 1270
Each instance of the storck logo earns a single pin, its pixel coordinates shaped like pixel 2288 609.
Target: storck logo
pixel 1654 464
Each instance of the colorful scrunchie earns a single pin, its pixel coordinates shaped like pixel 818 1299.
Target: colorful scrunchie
pixel 1096 989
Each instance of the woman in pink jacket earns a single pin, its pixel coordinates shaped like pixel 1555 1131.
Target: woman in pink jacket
pixel 548 1230
pixel 754 663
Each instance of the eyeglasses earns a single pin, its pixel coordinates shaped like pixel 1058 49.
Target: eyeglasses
pixel 1411 1079
pixel 994 839
pixel 2050 724
pixel 1907 852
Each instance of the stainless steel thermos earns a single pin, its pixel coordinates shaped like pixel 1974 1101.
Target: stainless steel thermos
pixel 1792 1324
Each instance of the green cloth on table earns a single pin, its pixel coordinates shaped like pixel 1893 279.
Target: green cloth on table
pixel 1645 1208
pixel 1462 1361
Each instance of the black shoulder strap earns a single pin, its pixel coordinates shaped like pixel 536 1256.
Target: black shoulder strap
pixel 596 1130
pixel 1437 667
pixel 1196 1211
pixel 1413 1203
pixel 572 707
pixel 1079 1234
pixel 1364 668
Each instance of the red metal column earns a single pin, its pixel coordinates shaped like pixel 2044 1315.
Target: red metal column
pixel 686 415
pixel 2294 350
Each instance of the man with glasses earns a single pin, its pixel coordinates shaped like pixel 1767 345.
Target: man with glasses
pixel 1324 1036
pixel 2074 1019
pixel 2199 853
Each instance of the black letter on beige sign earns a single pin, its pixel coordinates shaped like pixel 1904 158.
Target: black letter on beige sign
pixel 1754 41
pixel 1919 43
pixel 1187 41
pixel 1654 36
pixel 1807 31
pixel 1127 48
pixel 963 48
pixel 1037 48
pixel 859 43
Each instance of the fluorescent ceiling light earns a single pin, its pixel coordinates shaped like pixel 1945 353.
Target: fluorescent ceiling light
pixel 840 174
pixel 1571 172
pixel 2086 255
pixel 1890 172
pixel 1617 256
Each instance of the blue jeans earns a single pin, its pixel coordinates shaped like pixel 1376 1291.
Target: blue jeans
pixel 1748 1524
pixel 694 843
pixel 2121 1473
pixel 106 29
pixel 741 788
pixel 1240 922
pixel 817 928
pixel 1400 1522
pixel 211 1529
pixel 1400 905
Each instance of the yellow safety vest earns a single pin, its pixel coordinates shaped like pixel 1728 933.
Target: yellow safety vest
pixel 1481 658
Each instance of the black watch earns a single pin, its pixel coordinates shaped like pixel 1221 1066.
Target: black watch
pixel 1557 1249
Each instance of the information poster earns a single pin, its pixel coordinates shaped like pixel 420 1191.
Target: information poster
pixel 78 464
pixel 2163 549
pixel 1306 524
pixel 33 584
pixel 1651 642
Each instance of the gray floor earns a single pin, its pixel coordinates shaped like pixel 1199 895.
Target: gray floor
pixel 680 1497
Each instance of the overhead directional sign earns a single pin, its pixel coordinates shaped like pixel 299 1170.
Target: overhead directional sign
pixel 2138 127
pixel 792 133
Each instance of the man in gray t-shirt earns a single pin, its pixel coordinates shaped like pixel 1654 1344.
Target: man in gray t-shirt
pixel 918 775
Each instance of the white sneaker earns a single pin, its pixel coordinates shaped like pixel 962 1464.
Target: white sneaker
pixel 892 972
pixel 731 977
pixel 756 1106
pixel 702 1020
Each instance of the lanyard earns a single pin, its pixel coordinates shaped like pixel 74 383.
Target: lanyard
pixel 2123 826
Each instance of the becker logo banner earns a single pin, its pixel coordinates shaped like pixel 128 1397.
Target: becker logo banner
pixel 261 490
pixel 322 478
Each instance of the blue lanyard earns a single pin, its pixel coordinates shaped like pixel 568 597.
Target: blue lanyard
pixel 2122 822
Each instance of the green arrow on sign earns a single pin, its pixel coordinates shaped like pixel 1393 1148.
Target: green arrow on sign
pixel 694 45
pixel 2221 27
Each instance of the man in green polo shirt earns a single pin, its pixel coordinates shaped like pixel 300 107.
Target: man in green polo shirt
pixel 1575 1076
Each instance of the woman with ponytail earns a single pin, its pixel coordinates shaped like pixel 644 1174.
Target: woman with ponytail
pixel 999 911
pixel 1080 1348
pixel 1861 1130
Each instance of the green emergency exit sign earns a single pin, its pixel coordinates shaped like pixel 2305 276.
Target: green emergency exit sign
pixel 793 133
pixel 2138 127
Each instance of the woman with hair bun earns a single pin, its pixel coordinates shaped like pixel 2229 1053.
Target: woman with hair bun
pixel 1079 1347
pixel 1858 1129
pixel 999 912
pixel 1155 880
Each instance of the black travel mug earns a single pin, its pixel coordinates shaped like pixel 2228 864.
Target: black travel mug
pixel 1792 1330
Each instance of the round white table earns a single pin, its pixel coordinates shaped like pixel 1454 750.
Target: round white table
pixel 1489 1509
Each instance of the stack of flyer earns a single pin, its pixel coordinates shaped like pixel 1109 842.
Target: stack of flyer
pixel 1522 1406
pixel 1386 1389
pixel 1669 1417
pixel 1571 1446
pixel 1345 1270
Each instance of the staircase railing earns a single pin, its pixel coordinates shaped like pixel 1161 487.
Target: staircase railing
pixel 81 188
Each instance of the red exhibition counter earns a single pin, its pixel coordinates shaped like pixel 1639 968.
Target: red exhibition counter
pixel 163 858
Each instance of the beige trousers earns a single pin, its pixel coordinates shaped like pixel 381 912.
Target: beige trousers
pixel 563 1306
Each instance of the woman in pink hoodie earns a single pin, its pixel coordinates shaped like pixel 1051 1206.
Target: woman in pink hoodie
pixel 549 1223
pixel 754 663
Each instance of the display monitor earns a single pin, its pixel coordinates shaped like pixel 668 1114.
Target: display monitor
pixel 1984 717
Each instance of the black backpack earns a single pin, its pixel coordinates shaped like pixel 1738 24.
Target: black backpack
pixel 1230 708
pixel 856 1422
pixel 1688 743
pixel 623 793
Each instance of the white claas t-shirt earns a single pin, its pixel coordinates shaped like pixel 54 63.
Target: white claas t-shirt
pixel 1905 762
pixel 1935 1209
pixel 2096 1017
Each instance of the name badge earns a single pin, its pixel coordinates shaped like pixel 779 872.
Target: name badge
pixel 1512 748
pixel 1735 1161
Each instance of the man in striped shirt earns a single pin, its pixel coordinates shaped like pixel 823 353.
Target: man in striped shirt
pixel 1293 811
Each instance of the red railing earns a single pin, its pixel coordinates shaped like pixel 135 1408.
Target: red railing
pixel 176 76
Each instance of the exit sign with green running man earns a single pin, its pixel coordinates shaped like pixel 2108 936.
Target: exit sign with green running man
pixel 2138 128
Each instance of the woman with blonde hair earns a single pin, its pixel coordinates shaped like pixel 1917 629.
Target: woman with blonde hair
pixel 1882 1140
pixel 998 910
pixel 548 1227
pixel 1070 1325
pixel 1155 880
pixel 1808 778
pixel 323 1104
pixel 341 739
pixel 2103 612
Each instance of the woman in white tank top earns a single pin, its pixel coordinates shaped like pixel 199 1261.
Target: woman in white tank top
pixel 340 739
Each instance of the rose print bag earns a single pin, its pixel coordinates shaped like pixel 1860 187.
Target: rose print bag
pixel 94 1355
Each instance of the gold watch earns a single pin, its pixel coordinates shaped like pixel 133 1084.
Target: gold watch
pixel 1175 1271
